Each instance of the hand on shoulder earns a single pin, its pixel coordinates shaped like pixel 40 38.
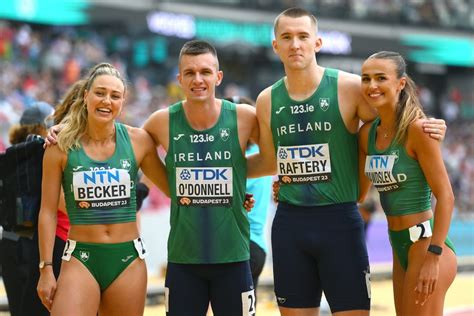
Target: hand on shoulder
pixel 435 127
pixel 416 130
pixel 52 136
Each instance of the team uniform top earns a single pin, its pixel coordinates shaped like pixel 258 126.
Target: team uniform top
pixel 206 174
pixel 315 151
pixel 398 177
pixel 102 192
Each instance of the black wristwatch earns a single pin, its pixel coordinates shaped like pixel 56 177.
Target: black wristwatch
pixel 437 250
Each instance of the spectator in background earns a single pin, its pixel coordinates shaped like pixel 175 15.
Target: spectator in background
pixel 427 99
pixel 31 303
pixel 458 154
pixel 18 250
pixel 450 107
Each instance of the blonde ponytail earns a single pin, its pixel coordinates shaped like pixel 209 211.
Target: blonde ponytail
pixel 409 110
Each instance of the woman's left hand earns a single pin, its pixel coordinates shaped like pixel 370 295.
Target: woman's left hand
pixel 427 279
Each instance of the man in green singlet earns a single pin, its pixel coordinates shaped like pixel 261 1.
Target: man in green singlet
pixel 205 139
pixel 308 124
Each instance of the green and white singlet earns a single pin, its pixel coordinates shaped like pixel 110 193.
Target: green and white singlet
pixel 102 192
pixel 207 175
pixel 316 154
pixel 397 176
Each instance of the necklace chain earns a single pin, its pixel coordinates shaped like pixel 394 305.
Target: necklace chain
pixel 110 136
pixel 385 132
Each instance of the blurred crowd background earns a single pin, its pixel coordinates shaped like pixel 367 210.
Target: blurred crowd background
pixel 44 48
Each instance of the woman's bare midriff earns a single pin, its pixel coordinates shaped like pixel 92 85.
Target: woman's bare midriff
pixel 396 223
pixel 104 233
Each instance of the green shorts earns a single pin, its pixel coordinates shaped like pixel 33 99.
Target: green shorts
pixel 402 240
pixel 105 261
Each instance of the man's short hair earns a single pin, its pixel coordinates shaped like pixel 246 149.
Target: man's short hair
pixel 295 13
pixel 198 47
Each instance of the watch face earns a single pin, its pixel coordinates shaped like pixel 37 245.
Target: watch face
pixel 435 249
pixel 42 264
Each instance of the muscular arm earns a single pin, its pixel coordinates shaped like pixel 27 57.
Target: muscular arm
pixel 157 125
pixel 148 160
pixel 364 111
pixel 364 182
pixel 247 125
pixel 352 105
pixel 263 163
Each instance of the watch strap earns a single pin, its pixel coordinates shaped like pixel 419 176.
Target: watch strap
pixel 43 264
pixel 437 250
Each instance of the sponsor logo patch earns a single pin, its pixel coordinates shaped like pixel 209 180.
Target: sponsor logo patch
pixel 279 110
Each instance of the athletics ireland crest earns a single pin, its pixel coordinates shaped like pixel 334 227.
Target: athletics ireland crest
pixel 324 104
pixel 224 133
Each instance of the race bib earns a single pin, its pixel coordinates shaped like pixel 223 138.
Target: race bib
pixel 102 189
pixel 422 230
pixel 304 164
pixel 204 186
pixel 248 303
pixel 379 169
pixel 68 249
pixel 140 248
